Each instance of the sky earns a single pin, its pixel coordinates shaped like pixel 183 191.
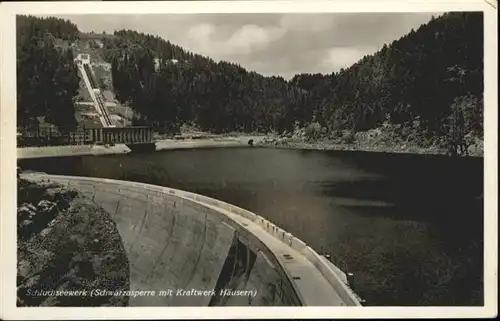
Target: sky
pixel 270 44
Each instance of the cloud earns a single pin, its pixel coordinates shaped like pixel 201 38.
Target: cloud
pixel 340 57
pixel 304 23
pixel 250 38
pixel 202 31
pixel 281 44
pixel 200 36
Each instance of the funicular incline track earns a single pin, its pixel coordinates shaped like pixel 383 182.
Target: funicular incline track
pixel 94 91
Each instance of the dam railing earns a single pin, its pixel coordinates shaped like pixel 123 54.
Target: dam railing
pixel 306 291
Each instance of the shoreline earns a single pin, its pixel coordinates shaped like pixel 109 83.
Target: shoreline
pixel 74 150
pixel 359 147
pixel 262 141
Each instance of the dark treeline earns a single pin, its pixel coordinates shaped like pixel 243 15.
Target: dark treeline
pixel 429 84
pixel 47 79
pixel 38 26
pixel 168 86
pixel 426 87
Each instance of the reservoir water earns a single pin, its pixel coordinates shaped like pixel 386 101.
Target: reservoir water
pixel 410 227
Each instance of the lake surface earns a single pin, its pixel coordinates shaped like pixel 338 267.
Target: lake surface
pixel 410 227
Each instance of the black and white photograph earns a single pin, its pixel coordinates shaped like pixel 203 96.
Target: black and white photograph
pixel 252 159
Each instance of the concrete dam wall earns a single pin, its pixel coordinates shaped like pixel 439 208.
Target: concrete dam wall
pixel 182 241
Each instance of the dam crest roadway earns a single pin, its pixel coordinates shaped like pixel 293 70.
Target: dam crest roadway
pixel 181 240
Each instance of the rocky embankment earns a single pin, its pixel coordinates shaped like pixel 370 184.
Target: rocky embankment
pixel 370 141
pixel 388 138
pixel 66 243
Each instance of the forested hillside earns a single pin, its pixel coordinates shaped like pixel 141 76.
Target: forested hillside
pixel 425 88
pixel 428 84
pixel 186 87
pixel 47 78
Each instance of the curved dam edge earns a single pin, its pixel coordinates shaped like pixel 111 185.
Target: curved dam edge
pixel 178 239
